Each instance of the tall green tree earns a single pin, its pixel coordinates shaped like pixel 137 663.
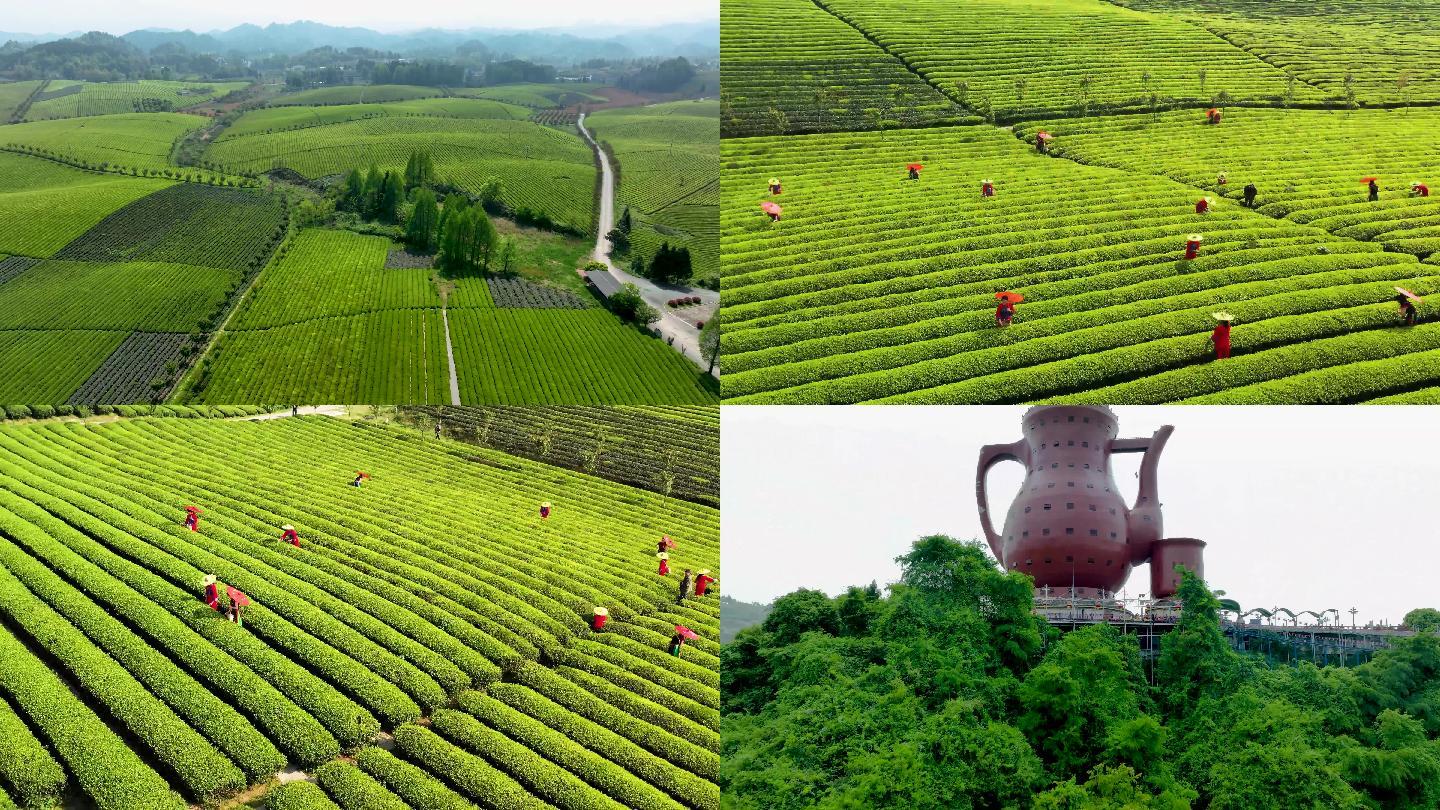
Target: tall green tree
pixel 424 219
pixel 392 193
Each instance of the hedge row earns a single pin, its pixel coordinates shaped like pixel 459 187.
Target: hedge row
pixel 219 722
pixel 107 770
pixel 294 730
pixel 660 675
pixel 1339 385
pixel 468 773
pixel 173 584
pixel 298 796
pixel 25 763
pixel 353 789
pixel 415 786
pixel 616 782
pixel 684 774
pixel 543 778
pixel 644 709
pixel 204 771
pixel 182 411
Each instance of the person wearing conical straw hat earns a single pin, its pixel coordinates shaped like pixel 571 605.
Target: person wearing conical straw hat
pixel 1419 189
pixel 212 592
pixel 1192 246
pixel 288 535
pixel 597 621
pixel 987 188
pixel 1202 205
pixel 545 510
pixel 684 588
pixel 702 581
pixel 774 185
pixel 192 518
pixel 1221 336
pixel 914 170
pixel 1406 301
pixel 1222 179
pixel 664 563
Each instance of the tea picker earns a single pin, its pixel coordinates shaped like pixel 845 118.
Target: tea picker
pixel 1222 179
pixel 914 169
pixel 665 544
pixel 192 518
pixel 1212 115
pixel 684 588
pixel 598 619
pixel 771 210
pixel 360 478
pixel 1407 301
pixel 1192 246
pixel 774 185
pixel 545 510
pixel 1250 192
pixel 1202 205
pixel 1005 311
pixel 1419 189
pixel 288 535
pixel 987 189
pixel 1042 141
pixel 703 581
pixel 1221 336
pixel 678 640
pixel 238 600
pixel 212 592
pixel 664 563
pixel 1374 187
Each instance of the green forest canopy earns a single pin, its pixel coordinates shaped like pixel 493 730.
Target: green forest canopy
pixel 950 693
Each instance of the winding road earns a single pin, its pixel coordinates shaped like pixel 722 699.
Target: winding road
pixel 685 338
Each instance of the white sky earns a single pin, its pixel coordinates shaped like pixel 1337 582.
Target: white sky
pixel 62 16
pixel 827 497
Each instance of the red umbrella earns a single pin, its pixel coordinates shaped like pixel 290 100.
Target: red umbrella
pixel 1043 135
pixel 685 631
pixel 364 475
pixel 236 596
pixel 1368 179
pixel 770 208
pixel 1412 296
pixel 1012 297
pixel 1212 111
pixel 914 167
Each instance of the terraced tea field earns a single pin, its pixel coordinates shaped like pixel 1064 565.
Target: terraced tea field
pixel 1306 164
pixel 274 119
pixel 873 288
pixel 789 66
pixel 434 593
pixel 358 94
pixel 133 141
pixel 650 447
pixel 540 168
pixel 44 205
pixel 14 94
pixel 669 157
pixel 537 96
pixel 66 99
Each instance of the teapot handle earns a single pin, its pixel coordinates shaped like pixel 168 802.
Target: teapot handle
pixel 1151 447
pixel 990 455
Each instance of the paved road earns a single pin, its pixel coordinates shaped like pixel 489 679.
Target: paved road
pixel 450 356
pixel 686 337
pixel 305 410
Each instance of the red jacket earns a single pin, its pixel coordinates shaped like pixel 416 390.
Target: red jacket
pixel 702 582
pixel 1201 206
pixel 212 596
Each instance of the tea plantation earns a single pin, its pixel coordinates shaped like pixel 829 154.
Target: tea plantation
pixel 429 627
pixel 873 286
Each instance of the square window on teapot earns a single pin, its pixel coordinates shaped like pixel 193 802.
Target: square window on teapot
pixel 1027 510
pixel 1029 562
pixel 1094 533
pixel 1054 465
pixel 1069 530
pixel 1047 507
pixel 1045 533
pixel 1092 507
pixel 1087 420
pixel 1071 465
pixel 1050 485
pixel 1084 444
pixel 1025 534
pixel 1087 466
pixel 1047 560
pixel 1112 510
pixel 1070 443
pixel 1070 419
pixel 1112 535
pixel 1069 483
pixel 1069 558
pixel 1090 560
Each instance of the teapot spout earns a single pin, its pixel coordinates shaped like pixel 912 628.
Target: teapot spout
pixel 1144 526
pixel 1149 484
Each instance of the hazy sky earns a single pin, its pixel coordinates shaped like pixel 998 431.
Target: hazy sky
pixel 63 16
pixel 827 497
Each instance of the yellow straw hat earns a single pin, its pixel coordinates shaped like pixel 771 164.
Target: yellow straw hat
pixel 704 571
pixel 287 527
pixel 545 504
pixel 774 181
pixel 662 556
pixel 209 579
pixel 600 611
pixel 1195 237
pixel 1222 315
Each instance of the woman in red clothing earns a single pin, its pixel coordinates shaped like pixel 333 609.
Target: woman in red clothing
pixel 664 563
pixel 1202 205
pixel 1005 312
pixel 545 510
pixel 597 622
pixel 212 592
pixel 1192 246
pixel 987 189
pixel 1419 189
pixel 1221 336
pixel 192 518
pixel 702 581
pixel 289 536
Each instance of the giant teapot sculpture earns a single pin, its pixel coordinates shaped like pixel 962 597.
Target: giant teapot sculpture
pixel 1068 526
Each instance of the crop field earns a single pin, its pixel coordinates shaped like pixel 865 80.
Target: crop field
pixel 273 119
pixel 538 96
pixel 12 95
pixel 540 168
pixel 434 593
pixel 1313 177
pixel 1374 42
pixel 44 205
pixel 789 66
pixel 48 366
pixel 641 446
pixel 110 98
pixel 669 158
pixel 130 373
pixel 98 295
pixel 132 141
pixel 877 289
pixel 1126 55
pixel 358 94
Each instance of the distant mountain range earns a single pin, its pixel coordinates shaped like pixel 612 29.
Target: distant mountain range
pixel 736 616
pixel 697 40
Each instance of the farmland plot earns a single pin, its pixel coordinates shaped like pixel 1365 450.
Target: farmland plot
pixel 358 94
pixel 818 73
pixel 12 95
pixel 131 295
pixel 383 616
pixel 110 98
pixel 535 95
pixel 1374 42
pixel 46 366
pixel 979 52
pixel 44 205
pixel 669 167
pixel 134 141
pixel 129 374
pixel 539 168
pixel 1313 178
pixel 273 119
pixel 874 288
